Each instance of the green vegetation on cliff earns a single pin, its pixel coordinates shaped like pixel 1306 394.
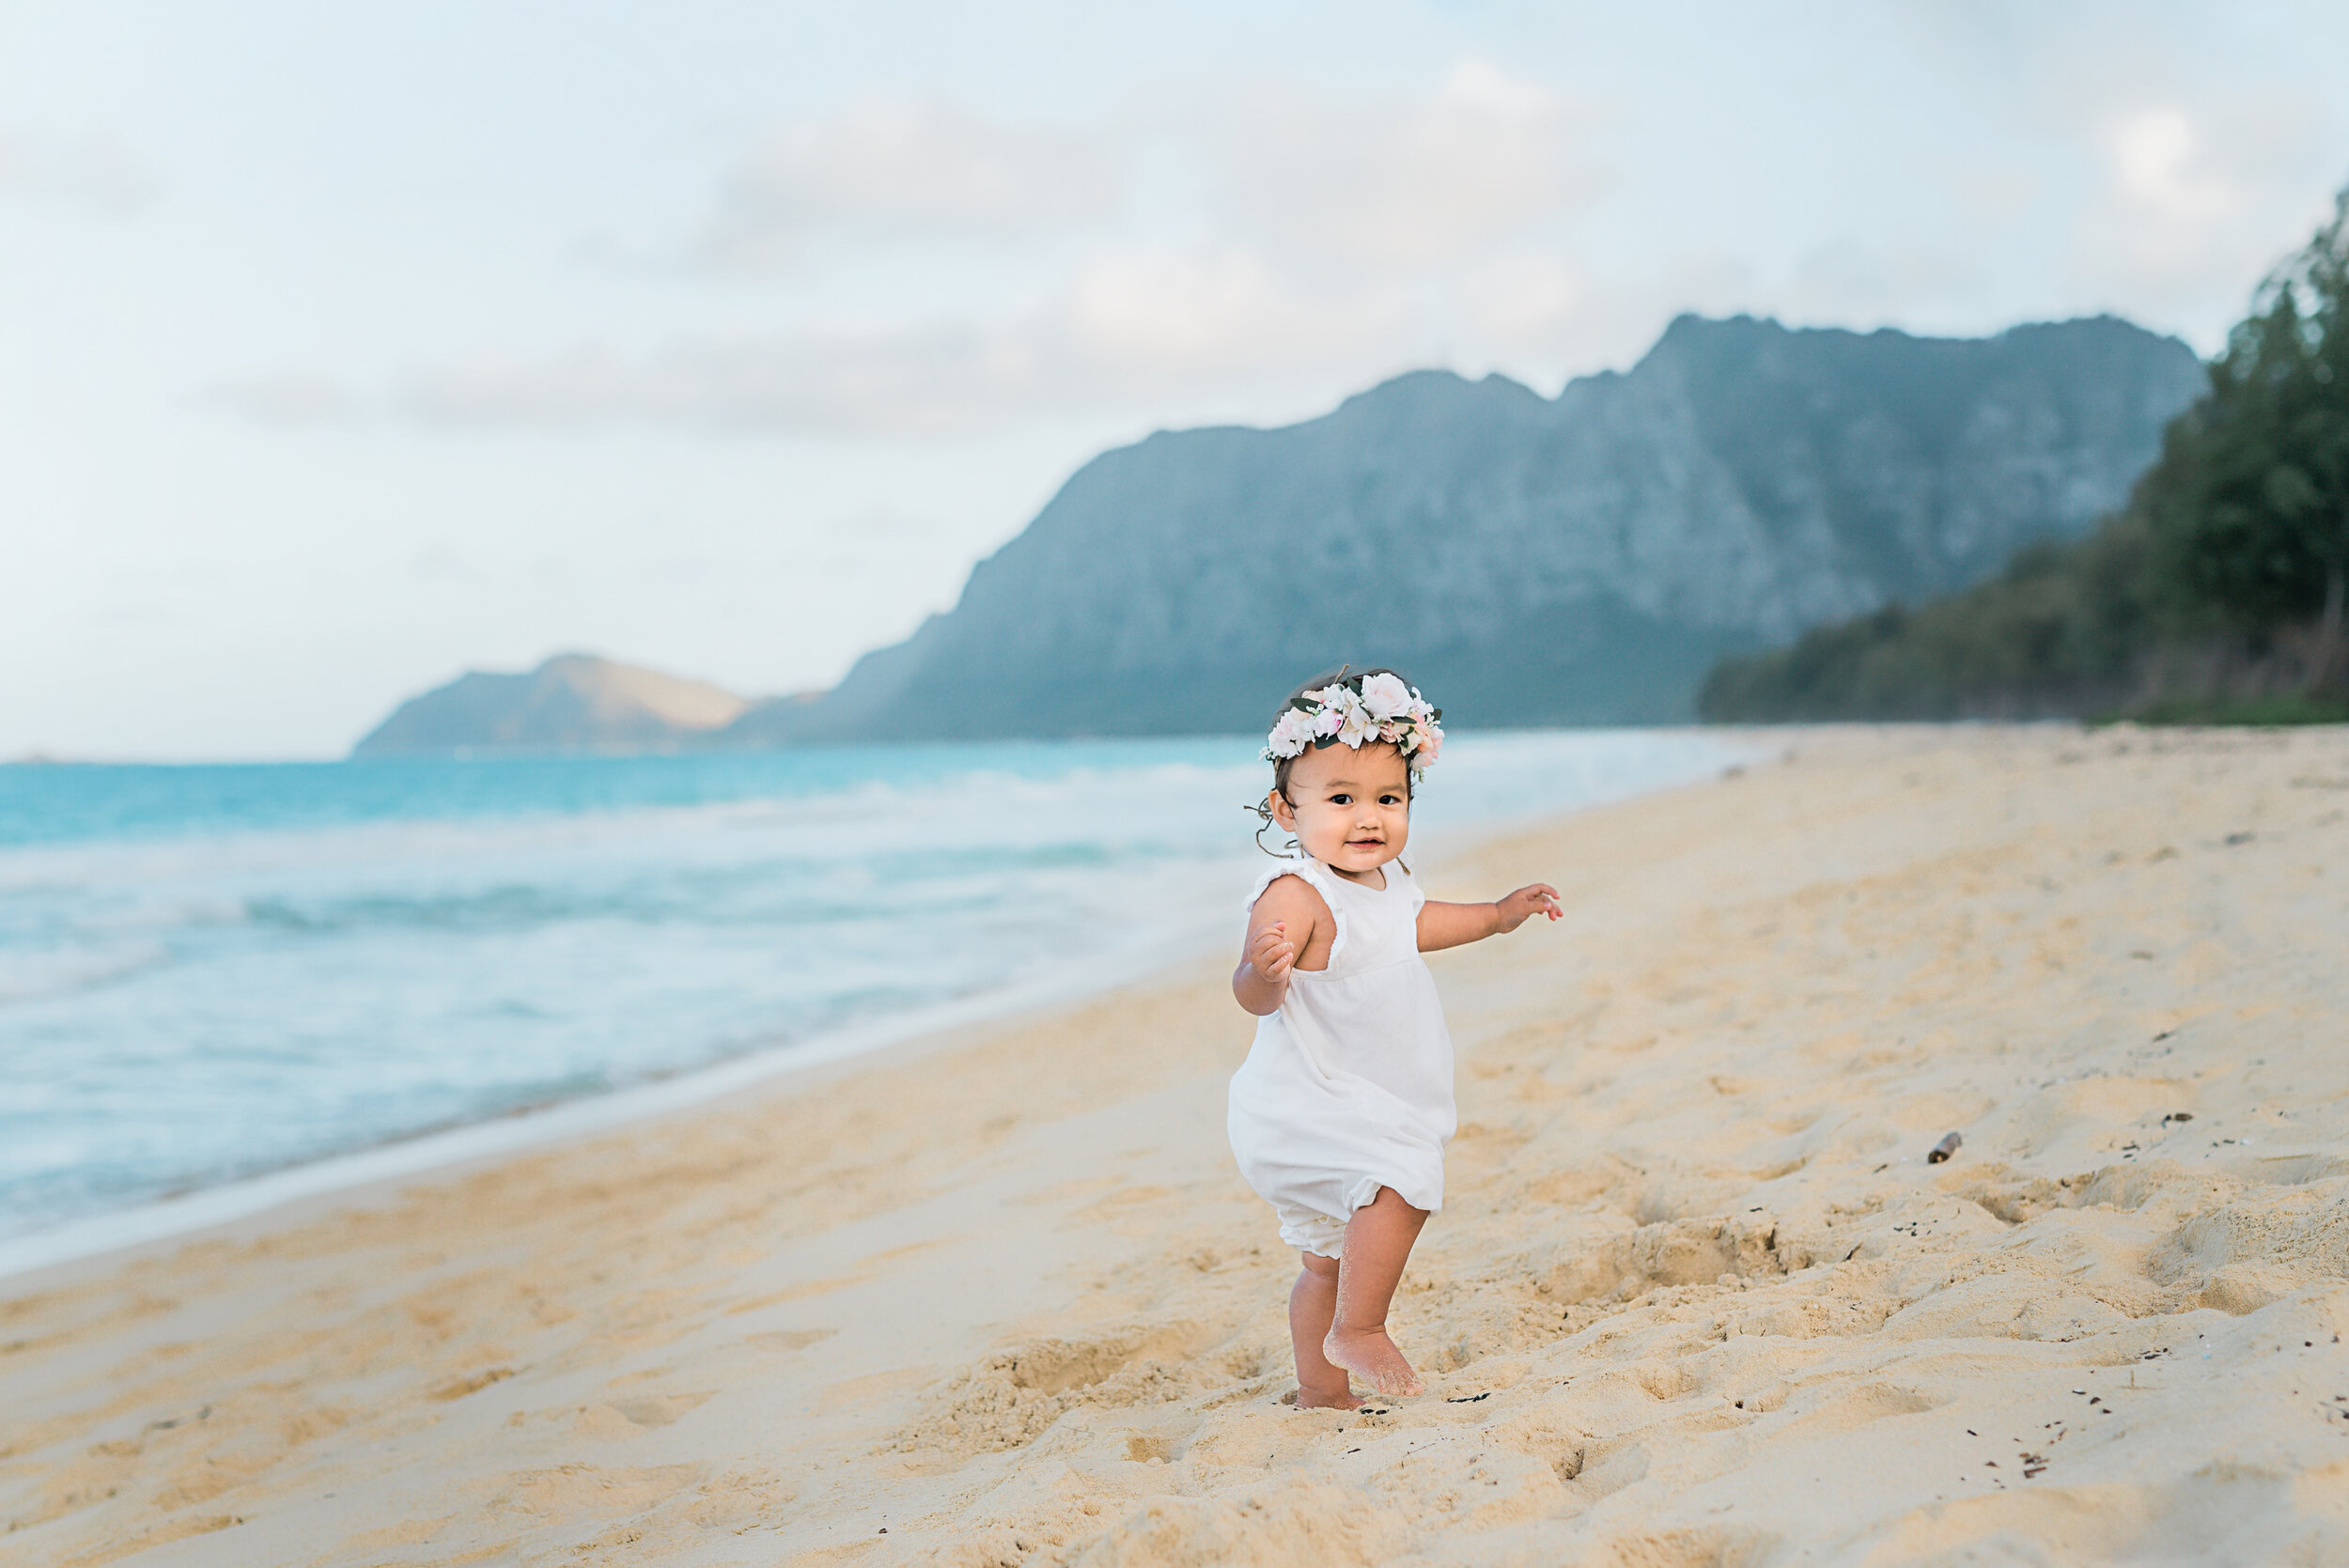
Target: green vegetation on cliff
pixel 2217 592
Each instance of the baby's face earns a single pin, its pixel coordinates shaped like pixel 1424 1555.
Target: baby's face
pixel 1350 809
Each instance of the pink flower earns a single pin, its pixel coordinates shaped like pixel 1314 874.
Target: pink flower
pixel 1291 733
pixel 1385 711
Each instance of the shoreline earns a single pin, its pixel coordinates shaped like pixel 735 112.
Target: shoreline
pixel 121 1234
pixel 118 1234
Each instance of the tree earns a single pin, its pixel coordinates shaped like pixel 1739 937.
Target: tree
pixel 2234 542
pixel 2249 501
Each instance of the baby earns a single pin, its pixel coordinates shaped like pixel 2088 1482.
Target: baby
pixel 1340 1115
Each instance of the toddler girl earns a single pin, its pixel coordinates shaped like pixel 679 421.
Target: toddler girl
pixel 1340 1115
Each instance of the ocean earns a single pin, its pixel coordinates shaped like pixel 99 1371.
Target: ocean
pixel 209 974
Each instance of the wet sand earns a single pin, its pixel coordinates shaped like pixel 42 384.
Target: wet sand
pixel 1698 1297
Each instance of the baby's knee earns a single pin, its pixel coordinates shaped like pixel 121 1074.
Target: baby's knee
pixel 1319 1267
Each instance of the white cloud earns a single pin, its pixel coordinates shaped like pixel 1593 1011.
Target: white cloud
pixel 2197 198
pixel 1152 319
pixel 96 177
pixel 1131 328
pixel 1382 182
pixel 1282 238
pixel 1410 183
pixel 290 398
pixel 1287 242
pixel 894 169
pixel 920 380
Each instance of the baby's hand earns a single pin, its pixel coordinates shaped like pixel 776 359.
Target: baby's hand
pixel 1273 954
pixel 1522 905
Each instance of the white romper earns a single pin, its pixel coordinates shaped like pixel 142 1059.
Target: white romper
pixel 1348 1087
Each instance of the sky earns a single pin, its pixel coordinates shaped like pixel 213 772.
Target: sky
pixel 349 346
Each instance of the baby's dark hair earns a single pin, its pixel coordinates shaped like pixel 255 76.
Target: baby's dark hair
pixel 1281 766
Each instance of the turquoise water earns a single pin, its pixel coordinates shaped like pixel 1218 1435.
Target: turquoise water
pixel 210 972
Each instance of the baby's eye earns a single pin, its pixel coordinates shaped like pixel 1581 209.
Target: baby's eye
pixel 1391 800
pixel 1341 799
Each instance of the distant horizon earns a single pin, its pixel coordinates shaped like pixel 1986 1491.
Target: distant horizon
pixel 585 753
pixel 493 754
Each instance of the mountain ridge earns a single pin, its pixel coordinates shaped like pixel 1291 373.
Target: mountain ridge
pixel 570 702
pixel 1577 559
pixel 1582 558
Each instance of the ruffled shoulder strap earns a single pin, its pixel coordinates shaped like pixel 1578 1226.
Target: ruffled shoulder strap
pixel 1410 885
pixel 1309 871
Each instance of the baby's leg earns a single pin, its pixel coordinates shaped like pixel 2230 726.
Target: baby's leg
pixel 1377 1243
pixel 1311 1305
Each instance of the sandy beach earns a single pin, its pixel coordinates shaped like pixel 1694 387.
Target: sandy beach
pixel 1698 1296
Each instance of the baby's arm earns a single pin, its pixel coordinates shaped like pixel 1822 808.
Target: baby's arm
pixel 1281 925
pixel 1452 925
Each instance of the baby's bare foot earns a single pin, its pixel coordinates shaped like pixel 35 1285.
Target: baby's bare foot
pixel 1322 1399
pixel 1369 1354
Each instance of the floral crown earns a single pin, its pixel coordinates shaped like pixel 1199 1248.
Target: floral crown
pixel 1358 710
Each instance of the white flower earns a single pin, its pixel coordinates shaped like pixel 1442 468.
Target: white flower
pixel 1386 696
pixel 1292 734
pixel 1337 705
pixel 1384 711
